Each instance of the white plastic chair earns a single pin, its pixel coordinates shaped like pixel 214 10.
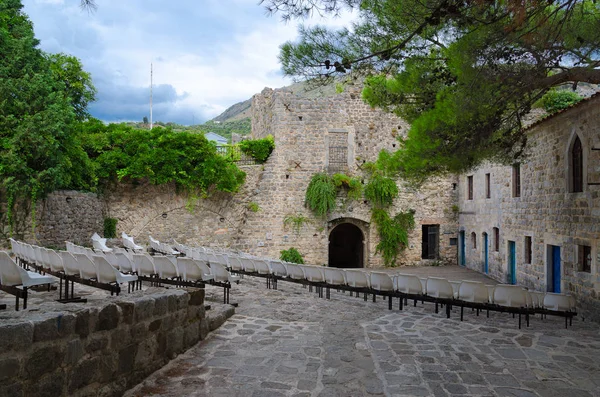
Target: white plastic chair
pixel 129 243
pixel 334 276
pixel 381 282
pixel 165 267
pixel 221 275
pixel 510 296
pixel 357 278
pixel 439 288
pixel 144 265
pixel 557 302
pixel 108 274
pixel 294 271
pixel 87 268
pixel 409 284
pixel 99 243
pixel 12 275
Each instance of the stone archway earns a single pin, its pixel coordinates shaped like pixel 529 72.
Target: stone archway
pixel 346 246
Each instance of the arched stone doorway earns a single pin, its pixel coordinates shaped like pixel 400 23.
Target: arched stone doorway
pixel 346 246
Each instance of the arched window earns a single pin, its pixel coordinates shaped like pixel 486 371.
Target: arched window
pixel 474 240
pixel 576 166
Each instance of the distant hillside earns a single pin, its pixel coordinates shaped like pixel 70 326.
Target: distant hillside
pixel 240 110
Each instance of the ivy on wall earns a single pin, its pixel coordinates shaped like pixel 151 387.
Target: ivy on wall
pixel 380 190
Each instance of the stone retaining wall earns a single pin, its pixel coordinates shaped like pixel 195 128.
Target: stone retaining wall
pixel 97 349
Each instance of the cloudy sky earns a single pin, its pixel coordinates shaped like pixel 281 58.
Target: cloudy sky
pixel 207 54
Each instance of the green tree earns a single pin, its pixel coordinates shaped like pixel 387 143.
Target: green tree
pixel 463 73
pixel 39 151
pixel 78 87
pixel 145 120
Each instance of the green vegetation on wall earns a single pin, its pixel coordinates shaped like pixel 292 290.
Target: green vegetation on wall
pixel 320 194
pixel 291 255
pixel 110 227
pixel 393 233
pixel 555 100
pixel 296 222
pixel 260 149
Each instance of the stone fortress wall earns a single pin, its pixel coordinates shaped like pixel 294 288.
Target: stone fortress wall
pixel 304 131
pixel 546 211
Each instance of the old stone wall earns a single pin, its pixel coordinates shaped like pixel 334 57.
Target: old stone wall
pixel 97 349
pixel 165 214
pixel 546 211
pixel 304 130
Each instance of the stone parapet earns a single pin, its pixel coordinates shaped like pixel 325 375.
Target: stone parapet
pixel 99 348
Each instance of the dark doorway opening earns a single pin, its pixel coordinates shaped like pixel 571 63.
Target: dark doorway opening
pixel 430 241
pixel 346 246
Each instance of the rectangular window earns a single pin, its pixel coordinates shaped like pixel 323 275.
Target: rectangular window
pixel 488 190
pixel 527 249
pixel 496 239
pixel 453 241
pixel 584 258
pixel 517 180
pixel 429 241
pixel 338 151
pixel 470 187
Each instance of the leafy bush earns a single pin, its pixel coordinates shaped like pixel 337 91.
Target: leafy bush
pixel 291 255
pixel 260 149
pixel 353 185
pixel 253 206
pixel 296 222
pixel 110 227
pixel 393 233
pixel 381 190
pixel 320 194
pixel 555 100
pixel 159 155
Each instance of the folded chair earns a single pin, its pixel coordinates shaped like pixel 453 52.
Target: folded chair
pixel 128 243
pixel 99 243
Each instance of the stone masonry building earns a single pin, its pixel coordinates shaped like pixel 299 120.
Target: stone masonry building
pixel 537 223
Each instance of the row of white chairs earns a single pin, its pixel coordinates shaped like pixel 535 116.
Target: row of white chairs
pixel 99 243
pixel 463 292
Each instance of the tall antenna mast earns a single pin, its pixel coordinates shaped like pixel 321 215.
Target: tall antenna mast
pixel 150 95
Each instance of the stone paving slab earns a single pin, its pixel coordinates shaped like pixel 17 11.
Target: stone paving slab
pixel 289 342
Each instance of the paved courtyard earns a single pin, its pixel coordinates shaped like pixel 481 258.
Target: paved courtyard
pixel 289 342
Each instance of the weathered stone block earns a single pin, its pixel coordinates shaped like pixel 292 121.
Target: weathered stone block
pixel 127 310
pixel 145 352
pixel 161 304
pixel 82 323
pixel 96 342
pixel 14 389
pixel 204 329
pixel 108 318
pixel 174 342
pixel 191 335
pixel 74 351
pixel 83 374
pixel 127 358
pixel 155 325
pixel 9 368
pixel 139 331
pixel 44 359
pixel 53 327
pixel 120 338
pixel 196 296
pixel 16 336
pixel 50 385
pixel 144 308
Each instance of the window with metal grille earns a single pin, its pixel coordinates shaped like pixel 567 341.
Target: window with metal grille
pixel 584 258
pixel 517 180
pixel 338 158
pixel 470 187
pixel 527 249
pixel 577 166
pixel 496 239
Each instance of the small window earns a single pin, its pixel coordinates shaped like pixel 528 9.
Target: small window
pixel 577 166
pixel 470 187
pixel 488 189
pixel 474 240
pixel 453 241
pixel 584 258
pixel 496 239
pixel 517 180
pixel 527 249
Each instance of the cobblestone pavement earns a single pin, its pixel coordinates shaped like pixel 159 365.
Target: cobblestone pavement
pixel 290 342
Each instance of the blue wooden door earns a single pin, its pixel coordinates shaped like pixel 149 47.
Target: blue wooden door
pixel 463 259
pixel 512 262
pixel 556 269
pixel 485 253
